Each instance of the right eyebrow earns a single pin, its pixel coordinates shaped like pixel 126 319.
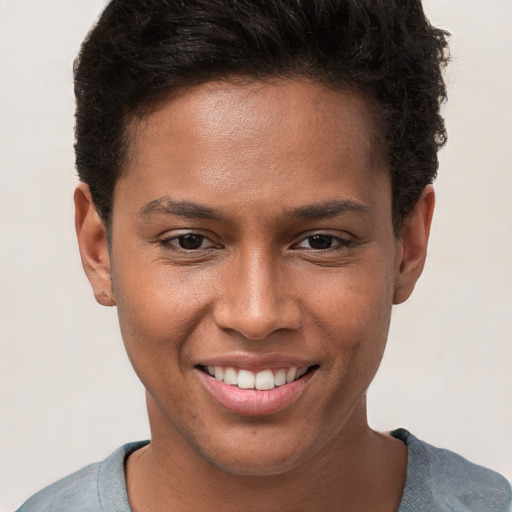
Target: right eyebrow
pixel 188 209
pixel 328 209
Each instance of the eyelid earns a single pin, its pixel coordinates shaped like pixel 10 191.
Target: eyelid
pixel 344 241
pixel 167 239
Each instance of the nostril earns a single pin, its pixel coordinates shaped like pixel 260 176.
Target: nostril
pixel 258 321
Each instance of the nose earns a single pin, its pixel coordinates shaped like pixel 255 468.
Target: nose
pixel 255 299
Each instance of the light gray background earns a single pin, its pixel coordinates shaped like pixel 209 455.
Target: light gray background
pixel 67 393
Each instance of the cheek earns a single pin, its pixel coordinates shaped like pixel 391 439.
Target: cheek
pixel 158 310
pixel 356 312
pixel 358 300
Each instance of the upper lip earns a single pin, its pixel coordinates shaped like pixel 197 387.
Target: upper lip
pixel 256 362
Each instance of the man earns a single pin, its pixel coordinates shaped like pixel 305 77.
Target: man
pixel 256 195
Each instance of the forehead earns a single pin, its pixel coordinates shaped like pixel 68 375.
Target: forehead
pixel 254 139
pixel 230 110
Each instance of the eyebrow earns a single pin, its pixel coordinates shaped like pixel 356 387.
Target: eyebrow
pixel 190 210
pixel 328 209
pixel 187 209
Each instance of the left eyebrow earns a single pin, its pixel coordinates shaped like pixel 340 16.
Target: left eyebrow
pixel 328 209
pixel 168 206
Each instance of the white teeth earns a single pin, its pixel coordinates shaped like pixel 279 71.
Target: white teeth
pixel 264 380
pixel 245 379
pixel 230 376
pixel 291 374
pixel 280 377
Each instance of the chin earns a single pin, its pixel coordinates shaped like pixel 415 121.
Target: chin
pixel 257 453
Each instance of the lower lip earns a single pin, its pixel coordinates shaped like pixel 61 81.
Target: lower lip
pixel 252 402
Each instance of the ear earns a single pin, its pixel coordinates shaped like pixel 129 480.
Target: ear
pixel 93 245
pixel 412 245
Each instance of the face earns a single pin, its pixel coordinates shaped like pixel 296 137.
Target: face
pixel 254 268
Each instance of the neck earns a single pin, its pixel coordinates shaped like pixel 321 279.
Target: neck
pixel 359 470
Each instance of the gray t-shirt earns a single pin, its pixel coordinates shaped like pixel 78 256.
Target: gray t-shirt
pixel 437 481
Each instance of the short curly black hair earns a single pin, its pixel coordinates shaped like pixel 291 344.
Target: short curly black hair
pixel 140 51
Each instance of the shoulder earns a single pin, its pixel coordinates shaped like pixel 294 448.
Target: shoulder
pixel 438 479
pixel 77 492
pixel 98 487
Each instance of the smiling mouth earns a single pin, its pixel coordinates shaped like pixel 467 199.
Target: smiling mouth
pixel 263 380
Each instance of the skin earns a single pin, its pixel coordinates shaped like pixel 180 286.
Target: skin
pixel 267 164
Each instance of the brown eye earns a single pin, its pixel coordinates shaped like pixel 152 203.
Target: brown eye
pixel 190 242
pixel 320 242
pixel 323 242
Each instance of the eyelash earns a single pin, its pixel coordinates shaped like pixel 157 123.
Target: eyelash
pixel 168 242
pixel 173 241
pixel 341 243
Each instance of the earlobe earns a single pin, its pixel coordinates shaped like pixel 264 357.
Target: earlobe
pixel 412 245
pixel 93 245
